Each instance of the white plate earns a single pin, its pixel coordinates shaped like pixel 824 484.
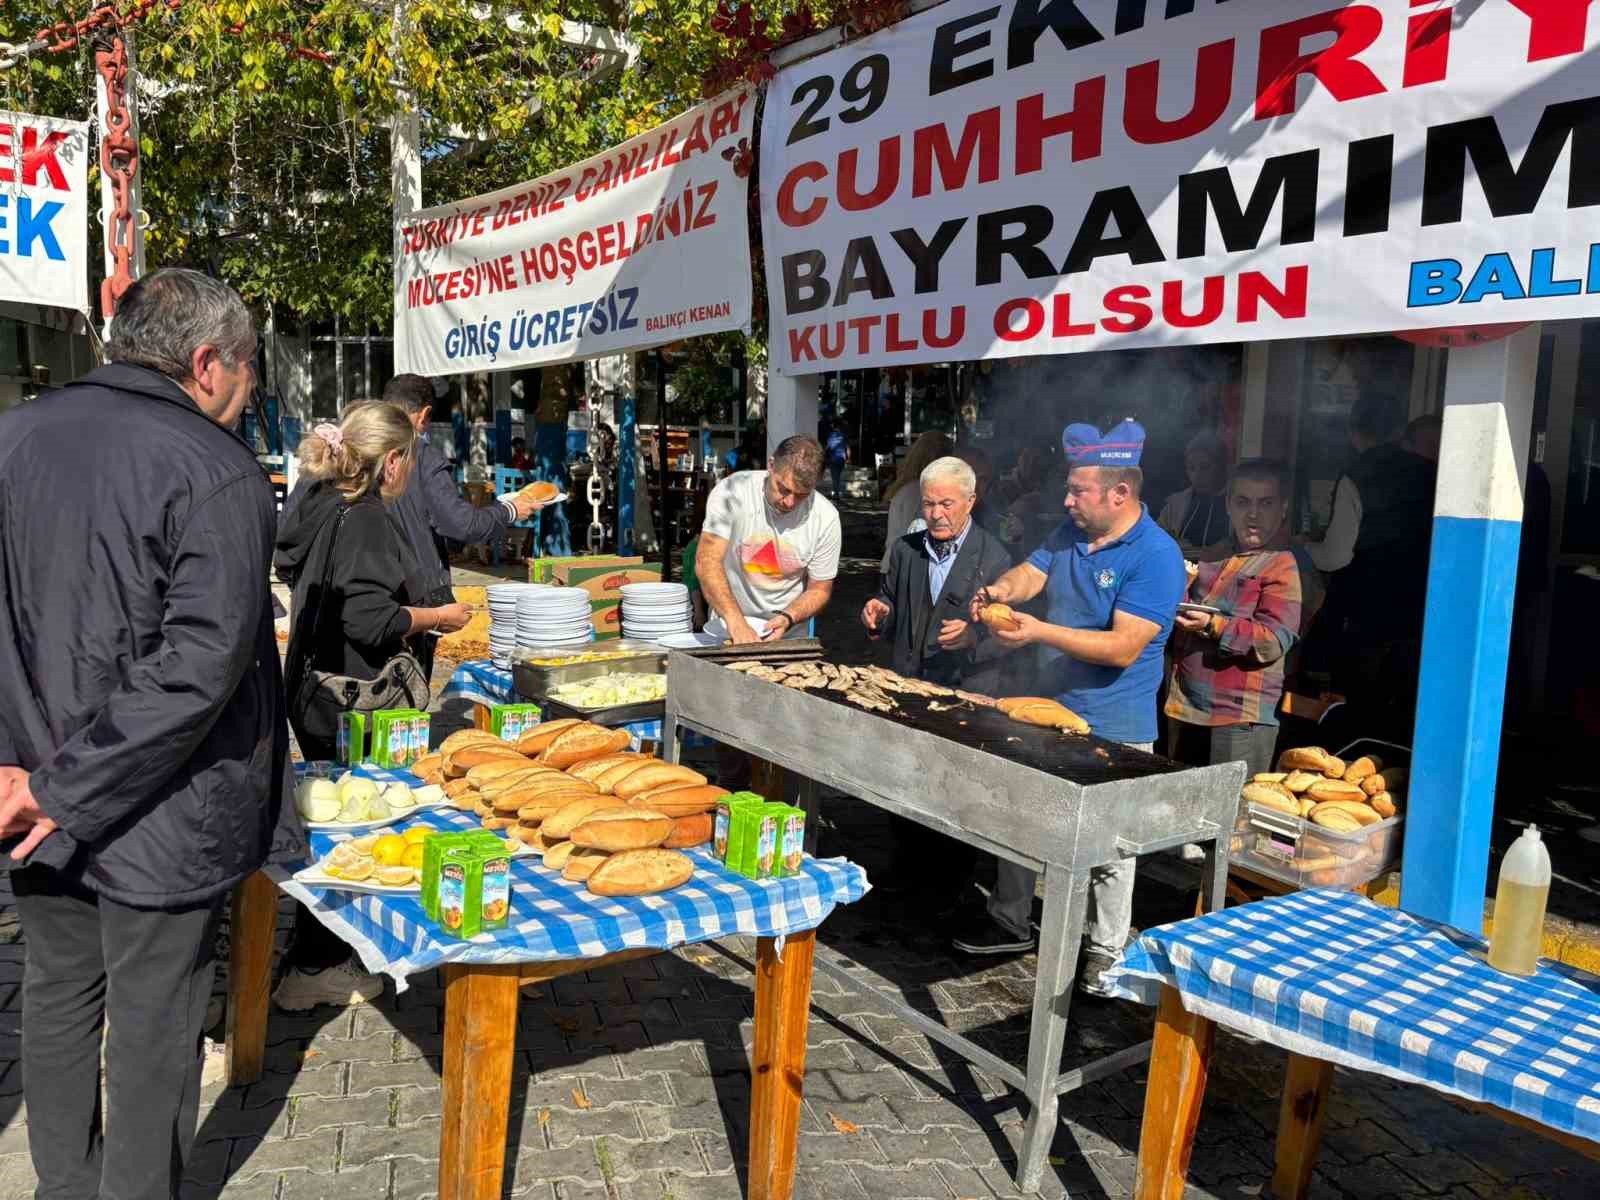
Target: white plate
pixel 558 498
pixel 687 641
pixel 313 876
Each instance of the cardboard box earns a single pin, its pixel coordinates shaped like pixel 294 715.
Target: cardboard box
pixel 352 738
pixel 433 852
pixel 791 839
pixel 542 570
pixel 399 736
pixel 474 892
pixel 510 721
pixel 722 827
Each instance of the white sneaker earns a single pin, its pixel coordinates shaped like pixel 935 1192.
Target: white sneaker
pixel 342 986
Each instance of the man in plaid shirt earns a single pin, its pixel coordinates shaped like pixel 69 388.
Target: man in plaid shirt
pixel 1228 666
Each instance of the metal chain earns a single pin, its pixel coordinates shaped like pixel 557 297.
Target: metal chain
pixel 65 35
pixel 597 500
pixel 119 160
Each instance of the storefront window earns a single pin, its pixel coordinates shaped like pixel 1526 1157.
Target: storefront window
pixel 1581 530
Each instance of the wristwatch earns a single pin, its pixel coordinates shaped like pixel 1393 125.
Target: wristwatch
pixel 1215 625
pixel 788 619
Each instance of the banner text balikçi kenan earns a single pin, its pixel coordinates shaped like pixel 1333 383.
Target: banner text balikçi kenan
pixel 1063 238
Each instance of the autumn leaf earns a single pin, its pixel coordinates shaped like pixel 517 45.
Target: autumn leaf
pixel 544 1116
pixel 565 1024
pixel 580 1099
pixel 842 1125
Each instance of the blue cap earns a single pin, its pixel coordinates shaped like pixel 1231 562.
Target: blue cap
pixel 1120 446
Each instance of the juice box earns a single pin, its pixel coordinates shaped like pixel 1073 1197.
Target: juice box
pixel 791 839
pixel 474 890
pixel 399 736
pixel 433 852
pixel 722 826
pixel 421 731
pixel 752 841
pixel 352 738
pixel 511 721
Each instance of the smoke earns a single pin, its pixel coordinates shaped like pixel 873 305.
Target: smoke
pixel 1174 393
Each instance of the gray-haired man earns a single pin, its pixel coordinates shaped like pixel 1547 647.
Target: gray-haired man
pixel 143 741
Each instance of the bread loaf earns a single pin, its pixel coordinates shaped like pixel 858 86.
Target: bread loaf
pixel 432 775
pixel 428 762
pixel 499 822
pixel 540 736
pixel 569 816
pixel 1367 764
pixel 1304 758
pixel 1051 715
pixel 999 616
pixel 519 781
pixel 582 863
pixel 1383 804
pixel 1336 789
pixel 608 779
pixel 542 808
pixel 481 754
pixel 640 873
pixel 1306 805
pixel 690 831
pixel 615 829
pixel 541 491
pixel 557 853
pixel 681 799
pixel 457 787
pixel 527 835
pixel 1390 779
pixel 1008 704
pixel 1362 814
pixel 1299 781
pixel 1334 767
pixel 1270 777
pixel 498 766
pixel 584 741
pixel 655 775
pixel 1332 816
pixel 467 737
pixel 1271 795
pixel 592 769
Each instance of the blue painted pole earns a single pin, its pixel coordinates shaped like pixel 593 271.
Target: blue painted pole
pixel 1472 576
pixel 627 452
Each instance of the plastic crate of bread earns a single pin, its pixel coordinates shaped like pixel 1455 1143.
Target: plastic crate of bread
pixel 1322 819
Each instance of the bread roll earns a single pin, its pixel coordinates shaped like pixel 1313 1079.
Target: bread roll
pixel 1270 777
pixel 536 805
pixel 1334 767
pixel 1299 781
pixel 1271 795
pixel 1362 814
pixel 1306 805
pixel 557 853
pixel 1383 804
pixel 1390 779
pixel 1336 789
pixel 1051 715
pixel 542 808
pixel 527 835
pixel 681 799
pixel 540 736
pixel 1008 703
pixel 1304 758
pixel 499 822
pixel 1367 764
pixel 690 831
pixel 655 775
pixel 479 755
pixel 640 873
pixel 572 746
pixel 431 776
pixel 541 491
pixel 1333 816
pixel 999 616
pixel 481 806
pixel 428 762
pixel 608 779
pixel 467 737
pixel 615 829
pixel 582 863
pixel 592 769
pixel 569 816
pixel 517 781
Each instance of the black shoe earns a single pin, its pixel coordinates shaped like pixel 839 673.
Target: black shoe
pixel 1091 974
pixel 987 936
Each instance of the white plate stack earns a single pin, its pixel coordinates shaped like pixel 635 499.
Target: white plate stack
pixel 503 598
pixel 652 611
pixel 554 616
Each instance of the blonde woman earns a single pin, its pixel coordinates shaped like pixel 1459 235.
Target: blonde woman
pixel 905 494
pixel 358 603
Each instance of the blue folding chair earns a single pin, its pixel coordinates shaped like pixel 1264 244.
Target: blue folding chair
pixel 510 479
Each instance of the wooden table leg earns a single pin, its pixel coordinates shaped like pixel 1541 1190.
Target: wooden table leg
pixel 480 1039
pixel 1179 1060
pixel 481 717
pixel 251 927
pixel 778 1063
pixel 1305 1103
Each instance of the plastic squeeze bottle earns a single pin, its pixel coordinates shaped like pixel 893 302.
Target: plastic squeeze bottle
pixel 1519 903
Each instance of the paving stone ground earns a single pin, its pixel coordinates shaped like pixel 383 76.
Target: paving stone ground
pixel 633 1083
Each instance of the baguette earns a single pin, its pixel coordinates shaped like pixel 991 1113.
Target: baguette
pixel 1367 764
pixel 467 737
pixel 501 771
pixel 1270 777
pixel 542 808
pixel 999 616
pixel 1361 814
pixel 1304 758
pixel 1008 704
pixel 655 775
pixel 540 736
pixel 481 806
pixel 1390 779
pixel 616 829
pixel 561 822
pixel 1050 715
pixel 468 757
pixel 1333 816
pixel 557 853
pixel 431 776
pixel 572 746
pixel 1299 781
pixel 640 873
pixel 1306 805
pixel 428 762
pixel 690 831
pixel 1336 789
pixel 681 799
pixel 499 822
pixel 527 836
pixel 608 779
pixel 1383 804
pixel 582 863
pixel 517 781
pixel 1334 769
pixel 592 769
pixel 1271 795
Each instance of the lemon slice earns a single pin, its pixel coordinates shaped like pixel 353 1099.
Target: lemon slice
pixel 366 842
pixel 357 871
pixel 396 876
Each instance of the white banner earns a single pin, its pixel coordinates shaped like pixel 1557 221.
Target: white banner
pixel 640 246
pixel 998 178
pixel 44 205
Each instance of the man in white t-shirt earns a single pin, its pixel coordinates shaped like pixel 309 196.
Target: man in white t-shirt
pixel 769 549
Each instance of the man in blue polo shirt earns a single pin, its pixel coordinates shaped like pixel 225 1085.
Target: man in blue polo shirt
pixel 1112 579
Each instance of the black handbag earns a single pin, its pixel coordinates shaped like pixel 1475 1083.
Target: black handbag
pixel 322 697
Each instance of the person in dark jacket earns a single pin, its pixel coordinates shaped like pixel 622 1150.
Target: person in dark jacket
pixel 143 744
pixel 359 601
pixel 432 509
pixel 924 607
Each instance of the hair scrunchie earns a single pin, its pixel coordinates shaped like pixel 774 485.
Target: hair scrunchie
pixel 329 433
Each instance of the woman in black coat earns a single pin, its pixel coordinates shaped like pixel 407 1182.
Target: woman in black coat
pixel 359 600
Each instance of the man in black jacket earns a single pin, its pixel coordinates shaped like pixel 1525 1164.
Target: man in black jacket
pixel 143 740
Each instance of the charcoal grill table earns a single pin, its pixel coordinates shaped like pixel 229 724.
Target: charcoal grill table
pixel 1060 805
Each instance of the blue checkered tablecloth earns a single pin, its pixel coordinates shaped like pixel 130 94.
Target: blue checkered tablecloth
pixel 553 919
pixel 1331 975
pixel 481 682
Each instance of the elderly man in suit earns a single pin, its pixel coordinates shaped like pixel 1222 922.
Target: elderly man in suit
pixel 927 592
